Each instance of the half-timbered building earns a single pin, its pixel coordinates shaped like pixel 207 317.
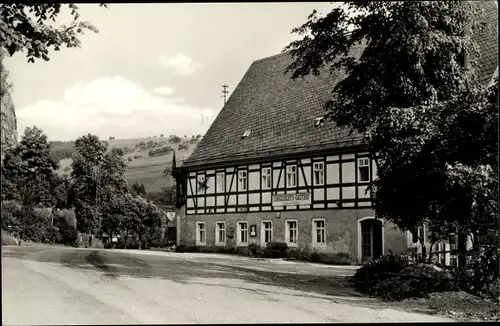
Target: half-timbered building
pixel 268 170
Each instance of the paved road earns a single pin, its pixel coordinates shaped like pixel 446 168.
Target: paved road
pixel 43 285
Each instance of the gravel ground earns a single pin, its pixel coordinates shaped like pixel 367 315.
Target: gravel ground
pixel 460 306
pixel 43 285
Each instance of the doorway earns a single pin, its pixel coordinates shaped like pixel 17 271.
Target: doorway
pixel 371 239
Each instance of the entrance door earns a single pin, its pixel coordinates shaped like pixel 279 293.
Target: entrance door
pixel 371 239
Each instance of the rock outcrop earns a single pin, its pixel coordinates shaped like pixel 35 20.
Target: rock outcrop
pixel 8 113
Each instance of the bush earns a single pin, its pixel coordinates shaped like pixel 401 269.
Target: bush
pixel 299 254
pixel 183 147
pixel 11 211
pixel 415 281
pixel 481 277
pixel 66 217
pixel 407 280
pixel 275 250
pixel 373 271
pixel 337 258
pixel 8 239
pixel 130 159
pixel 34 224
pixel 83 240
pixel 187 249
pixel 160 151
pixel 52 235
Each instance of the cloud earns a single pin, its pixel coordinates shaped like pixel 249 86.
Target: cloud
pixel 163 90
pixel 115 106
pixel 182 64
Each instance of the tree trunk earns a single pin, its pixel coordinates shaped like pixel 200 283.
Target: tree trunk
pixel 140 241
pixel 424 253
pixel 430 253
pixel 462 249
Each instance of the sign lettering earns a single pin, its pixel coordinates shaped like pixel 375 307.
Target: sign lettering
pixel 301 198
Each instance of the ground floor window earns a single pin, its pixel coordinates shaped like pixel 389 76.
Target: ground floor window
pixel 267 231
pixel 242 233
pixel 291 232
pixel 201 237
pixel 220 233
pixel 319 232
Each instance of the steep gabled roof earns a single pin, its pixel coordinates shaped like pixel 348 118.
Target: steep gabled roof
pixel 280 112
pixel 487 41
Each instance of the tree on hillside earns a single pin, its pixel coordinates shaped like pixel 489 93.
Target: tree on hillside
pixel 138 189
pixel 429 124
pixel 28 170
pixel 174 139
pixel 166 196
pixel 29 27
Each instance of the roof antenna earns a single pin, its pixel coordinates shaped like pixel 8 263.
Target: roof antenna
pixel 224 92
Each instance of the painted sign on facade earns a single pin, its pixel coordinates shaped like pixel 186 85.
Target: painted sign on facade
pixel 301 198
pixel 253 230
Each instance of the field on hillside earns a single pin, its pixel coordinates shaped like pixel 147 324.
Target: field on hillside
pixel 146 170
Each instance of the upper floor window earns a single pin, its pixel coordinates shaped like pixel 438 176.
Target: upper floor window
pixel 221 182
pixel 291 176
pixel 364 169
pixel 202 185
pixel 266 178
pixel 242 180
pixel 319 173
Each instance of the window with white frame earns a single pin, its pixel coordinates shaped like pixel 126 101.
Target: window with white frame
pixel 291 176
pixel 201 233
pixel 221 182
pixel 364 170
pixel 202 185
pixel 242 180
pixel 291 232
pixel 267 231
pixel 319 173
pixel 319 232
pixel 242 233
pixel 220 233
pixel 266 178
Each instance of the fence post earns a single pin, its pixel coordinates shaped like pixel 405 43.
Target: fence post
pixel 446 254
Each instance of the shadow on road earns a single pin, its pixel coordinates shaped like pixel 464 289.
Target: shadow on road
pixel 120 264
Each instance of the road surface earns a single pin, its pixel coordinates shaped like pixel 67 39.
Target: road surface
pixel 44 285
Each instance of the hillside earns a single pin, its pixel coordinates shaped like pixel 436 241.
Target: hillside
pixel 146 170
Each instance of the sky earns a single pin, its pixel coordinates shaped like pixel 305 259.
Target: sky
pixel 152 69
